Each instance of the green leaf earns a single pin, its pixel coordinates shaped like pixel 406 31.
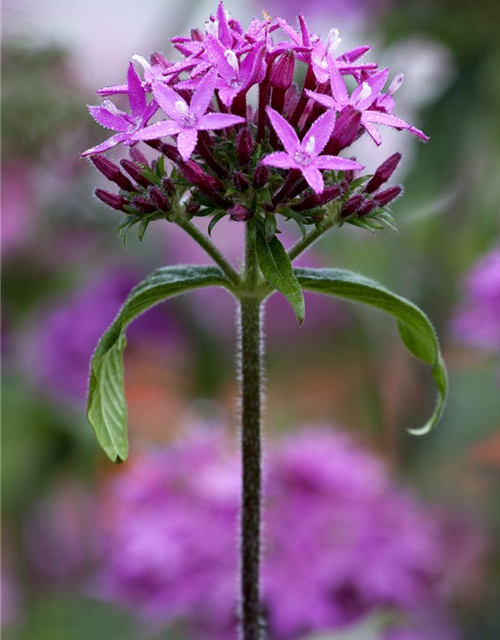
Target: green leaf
pixel 106 407
pixel 415 329
pixel 214 221
pixel 277 269
pixel 269 226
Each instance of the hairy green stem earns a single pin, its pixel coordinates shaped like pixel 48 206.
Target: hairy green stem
pixel 250 349
pixel 205 242
pixel 301 245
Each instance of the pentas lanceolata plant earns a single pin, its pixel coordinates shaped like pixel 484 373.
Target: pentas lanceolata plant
pixel 281 156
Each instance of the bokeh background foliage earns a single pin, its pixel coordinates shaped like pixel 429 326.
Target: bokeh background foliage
pixel 65 273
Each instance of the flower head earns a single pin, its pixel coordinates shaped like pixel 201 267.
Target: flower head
pixel 284 145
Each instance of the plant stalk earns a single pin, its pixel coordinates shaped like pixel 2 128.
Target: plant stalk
pixel 250 349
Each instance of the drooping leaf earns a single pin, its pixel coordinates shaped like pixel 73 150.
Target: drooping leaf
pixel 106 407
pixel 277 269
pixel 415 329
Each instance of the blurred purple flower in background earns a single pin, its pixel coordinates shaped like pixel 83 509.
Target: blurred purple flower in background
pixel 62 342
pixel 477 320
pixel 342 541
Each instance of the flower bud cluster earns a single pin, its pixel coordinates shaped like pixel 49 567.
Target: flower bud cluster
pixel 222 154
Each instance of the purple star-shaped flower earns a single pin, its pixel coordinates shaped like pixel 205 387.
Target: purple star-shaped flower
pixel 364 99
pixel 187 119
pixel 109 116
pixel 304 155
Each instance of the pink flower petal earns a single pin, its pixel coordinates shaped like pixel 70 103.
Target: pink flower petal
pixel 314 178
pixel 339 90
pixel 321 131
pixel 279 159
pixel 158 130
pixel 392 121
pixel 186 142
pixel 326 101
pixel 105 118
pixel 284 131
pixel 218 121
pixel 203 94
pixel 376 83
pixel 167 99
pixel 113 90
pixel 136 92
pixel 335 163
pixel 107 144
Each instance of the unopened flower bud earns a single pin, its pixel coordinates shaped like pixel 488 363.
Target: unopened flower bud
pixel 383 173
pixel 244 147
pixel 168 185
pixel 260 176
pixel 239 213
pixel 240 181
pixel 160 60
pixel 384 197
pixel 134 171
pixel 352 205
pixel 143 205
pixel 282 71
pixel 367 207
pixel 138 156
pixel 113 200
pixel 159 199
pixel 112 172
pixel 318 199
pixel 345 130
pixel 192 207
pixel 196 35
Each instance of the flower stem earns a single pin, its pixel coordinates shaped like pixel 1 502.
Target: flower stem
pixel 205 242
pixel 301 245
pixel 250 347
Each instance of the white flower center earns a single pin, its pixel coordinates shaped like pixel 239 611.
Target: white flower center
pixel 365 92
pixel 304 155
pixel 232 60
pixel 212 28
pixel 333 41
pixel 187 119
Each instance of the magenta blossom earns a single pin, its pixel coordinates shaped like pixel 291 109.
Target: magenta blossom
pixel 305 156
pixel 364 99
pixel 187 119
pixel 109 116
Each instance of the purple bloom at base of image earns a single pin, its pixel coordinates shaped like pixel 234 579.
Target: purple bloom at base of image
pixel 342 540
pixel 60 346
pixel 477 319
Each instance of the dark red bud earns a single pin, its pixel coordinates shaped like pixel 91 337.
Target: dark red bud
pixel 143 205
pixel 383 173
pixel 384 197
pixel 113 200
pixel 318 199
pixel 282 71
pixel 138 156
pixel 168 185
pixel 196 35
pixel 240 181
pixel 345 130
pixel 260 176
pixel 367 207
pixel 159 59
pixel 134 171
pixel 244 147
pixel 352 205
pixel 239 213
pixel 112 172
pixel 159 199
pixel 192 207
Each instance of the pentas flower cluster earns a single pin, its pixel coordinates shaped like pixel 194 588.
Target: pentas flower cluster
pixel 283 154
